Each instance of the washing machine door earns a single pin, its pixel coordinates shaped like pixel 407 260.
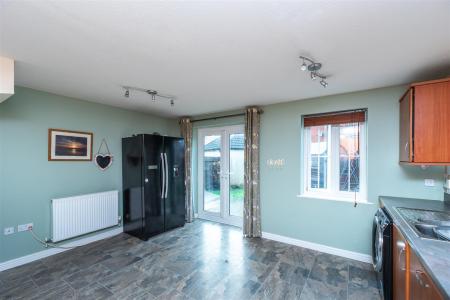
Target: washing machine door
pixel 377 244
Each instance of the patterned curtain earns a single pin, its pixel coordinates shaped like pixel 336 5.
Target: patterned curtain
pixel 252 211
pixel 186 133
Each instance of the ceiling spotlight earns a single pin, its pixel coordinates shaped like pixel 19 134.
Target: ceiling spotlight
pixel 323 83
pixel 313 75
pixel 172 103
pixel 153 97
pixel 303 67
pixel 127 93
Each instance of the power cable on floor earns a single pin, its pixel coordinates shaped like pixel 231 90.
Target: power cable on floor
pixel 47 244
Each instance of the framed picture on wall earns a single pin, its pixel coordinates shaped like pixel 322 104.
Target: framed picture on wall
pixel 69 145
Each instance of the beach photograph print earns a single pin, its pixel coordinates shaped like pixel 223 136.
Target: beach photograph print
pixel 69 145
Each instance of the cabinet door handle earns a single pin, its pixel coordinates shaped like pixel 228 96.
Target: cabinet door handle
pixel 402 247
pixel 406 146
pixel 419 279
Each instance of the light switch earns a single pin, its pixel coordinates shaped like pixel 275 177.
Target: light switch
pixel 429 182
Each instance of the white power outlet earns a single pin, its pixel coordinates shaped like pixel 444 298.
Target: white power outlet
pixel 8 230
pixel 24 227
pixel 429 182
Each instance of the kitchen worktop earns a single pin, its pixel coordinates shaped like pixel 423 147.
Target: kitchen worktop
pixel 433 254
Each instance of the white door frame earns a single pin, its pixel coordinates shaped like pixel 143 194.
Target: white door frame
pixel 223 216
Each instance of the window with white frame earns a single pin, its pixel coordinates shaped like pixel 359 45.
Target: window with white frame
pixel 335 156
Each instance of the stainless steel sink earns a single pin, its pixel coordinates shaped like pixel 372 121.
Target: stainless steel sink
pixel 425 229
pixel 426 223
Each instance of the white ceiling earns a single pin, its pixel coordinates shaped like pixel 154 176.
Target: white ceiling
pixel 221 55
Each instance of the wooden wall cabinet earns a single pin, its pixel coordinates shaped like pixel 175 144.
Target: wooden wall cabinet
pixel 425 123
pixel 410 280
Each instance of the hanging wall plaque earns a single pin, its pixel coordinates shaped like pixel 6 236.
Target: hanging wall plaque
pixel 103 160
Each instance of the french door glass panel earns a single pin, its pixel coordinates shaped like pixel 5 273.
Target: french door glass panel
pixel 211 173
pixel 221 182
pixel 236 176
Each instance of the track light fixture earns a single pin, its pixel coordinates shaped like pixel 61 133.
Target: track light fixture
pixel 313 67
pixel 152 93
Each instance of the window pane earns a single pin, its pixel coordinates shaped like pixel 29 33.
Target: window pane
pixel 319 156
pixel 349 158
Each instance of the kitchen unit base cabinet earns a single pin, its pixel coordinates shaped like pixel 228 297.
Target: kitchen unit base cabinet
pixel 400 252
pixel 410 280
pixel 421 285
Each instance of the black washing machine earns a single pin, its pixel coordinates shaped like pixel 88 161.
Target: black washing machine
pixel 382 251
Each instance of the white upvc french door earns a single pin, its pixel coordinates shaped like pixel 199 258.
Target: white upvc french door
pixel 221 174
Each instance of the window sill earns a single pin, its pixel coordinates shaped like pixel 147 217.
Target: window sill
pixel 333 198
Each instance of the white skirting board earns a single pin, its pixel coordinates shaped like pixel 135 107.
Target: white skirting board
pixel 319 247
pixel 52 251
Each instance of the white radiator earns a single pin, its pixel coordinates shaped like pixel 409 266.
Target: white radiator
pixel 74 216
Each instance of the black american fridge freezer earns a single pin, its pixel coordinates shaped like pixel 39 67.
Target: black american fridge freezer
pixel 153 184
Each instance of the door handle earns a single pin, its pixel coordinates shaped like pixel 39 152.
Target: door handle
pixel 163 169
pixel 402 247
pixel 419 279
pixel 406 146
pixel 166 172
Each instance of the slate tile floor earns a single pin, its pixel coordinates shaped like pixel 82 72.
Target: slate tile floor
pixel 202 260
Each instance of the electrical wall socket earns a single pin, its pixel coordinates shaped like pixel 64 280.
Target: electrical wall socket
pixel 429 182
pixel 8 230
pixel 24 227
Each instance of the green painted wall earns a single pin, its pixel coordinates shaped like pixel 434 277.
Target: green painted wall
pixel 333 223
pixel 28 181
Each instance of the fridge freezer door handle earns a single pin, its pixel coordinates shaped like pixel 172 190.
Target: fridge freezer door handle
pixel 163 176
pixel 166 172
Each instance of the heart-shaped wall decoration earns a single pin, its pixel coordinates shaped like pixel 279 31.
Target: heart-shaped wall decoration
pixel 103 161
